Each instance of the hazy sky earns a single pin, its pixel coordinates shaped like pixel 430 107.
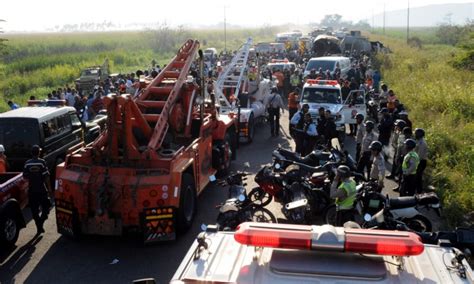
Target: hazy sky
pixel 42 14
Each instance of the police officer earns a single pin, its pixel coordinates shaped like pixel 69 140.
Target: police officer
pixel 377 172
pixel 360 133
pixel 297 122
pixel 330 128
pixel 343 189
pixel 37 174
pixel 422 151
pixel 397 139
pixel 409 166
pixel 369 137
pixel 310 134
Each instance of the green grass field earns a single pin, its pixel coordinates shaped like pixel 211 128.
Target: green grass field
pixel 440 99
pixel 37 63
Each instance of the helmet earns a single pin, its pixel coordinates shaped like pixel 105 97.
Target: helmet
pixel 359 116
pixel 2 149
pixel 410 143
pixel 407 131
pixel 369 124
pixel 344 171
pixel 419 132
pixel 375 145
pixel 35 150
pixel 400 123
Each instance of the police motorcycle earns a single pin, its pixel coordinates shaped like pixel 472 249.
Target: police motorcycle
pixel 238 207
pixel 370 202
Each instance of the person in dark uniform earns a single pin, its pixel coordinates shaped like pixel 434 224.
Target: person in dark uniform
pixel 297 123
pixel 37 174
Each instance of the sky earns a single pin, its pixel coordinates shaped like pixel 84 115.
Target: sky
pixel 37 15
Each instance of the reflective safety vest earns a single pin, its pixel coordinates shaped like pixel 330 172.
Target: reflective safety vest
pixel 350 188
pixel 412 155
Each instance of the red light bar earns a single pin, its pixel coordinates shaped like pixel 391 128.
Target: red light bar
pixel 322 82
pixel 329 238
pixel 267 235
pixel 383 242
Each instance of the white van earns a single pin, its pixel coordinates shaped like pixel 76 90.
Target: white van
pixel 328 63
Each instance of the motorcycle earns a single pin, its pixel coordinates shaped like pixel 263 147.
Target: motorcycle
pixel 405 209
pixel 300 199
pixel 238 208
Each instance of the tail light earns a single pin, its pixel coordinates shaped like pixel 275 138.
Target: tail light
pixel 329 238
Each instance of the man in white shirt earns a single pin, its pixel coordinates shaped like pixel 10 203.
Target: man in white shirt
pixel 274 104
pixel 70 98
pixel 422 151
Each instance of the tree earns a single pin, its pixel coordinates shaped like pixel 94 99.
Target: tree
pixel 333 20
pixel 3 46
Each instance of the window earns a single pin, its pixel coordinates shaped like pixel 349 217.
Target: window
pixel 18 135
pixel 75 122
pixel 321 96
pixel 323 64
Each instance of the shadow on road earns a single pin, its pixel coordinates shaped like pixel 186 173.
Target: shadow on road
pixel 18 260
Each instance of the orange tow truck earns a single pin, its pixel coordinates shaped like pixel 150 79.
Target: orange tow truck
pixel 158 151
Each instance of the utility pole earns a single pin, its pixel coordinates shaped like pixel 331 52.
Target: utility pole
pixel 384 18
pixel 225 31
pixel 408 22
pixel 373 26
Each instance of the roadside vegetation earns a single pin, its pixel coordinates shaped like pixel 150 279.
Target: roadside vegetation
pixel 35 64
pixel 440 98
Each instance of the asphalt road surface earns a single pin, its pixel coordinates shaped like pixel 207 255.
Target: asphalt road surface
pixel 52 258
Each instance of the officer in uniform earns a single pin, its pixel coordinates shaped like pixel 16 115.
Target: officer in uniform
pixel 359 133
pixel 274 104
pixel 409 166
pixel 37 174
pixel 343 189
pixel 369 137
pixel 377 172
pixel 422 151
pixel 297 122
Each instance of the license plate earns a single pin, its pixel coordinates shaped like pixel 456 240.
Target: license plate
pixel 296 204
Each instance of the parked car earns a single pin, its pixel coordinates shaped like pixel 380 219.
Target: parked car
pixel 13 198
pixel 55 129
pixel 328 63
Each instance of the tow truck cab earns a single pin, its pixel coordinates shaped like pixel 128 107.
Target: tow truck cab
pixel 283 253
pixel 326 94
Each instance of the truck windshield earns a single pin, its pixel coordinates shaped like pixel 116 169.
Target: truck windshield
pixel 321 96
pixel 18 135
pixel 323 64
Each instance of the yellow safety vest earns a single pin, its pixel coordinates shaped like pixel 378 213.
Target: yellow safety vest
pixel 350 188
pixel 412 155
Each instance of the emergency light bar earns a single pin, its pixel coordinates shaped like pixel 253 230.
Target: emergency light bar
pixel 280 60
pixel 52 103
pixel 329 238
pixel 322 82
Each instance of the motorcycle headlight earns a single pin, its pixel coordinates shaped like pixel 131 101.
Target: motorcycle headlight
pixel 277 166
pixel 241 198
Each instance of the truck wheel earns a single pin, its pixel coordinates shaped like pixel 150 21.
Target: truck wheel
pixel 187 203
pixel 9 229
pixel 250 130
pixel 330 215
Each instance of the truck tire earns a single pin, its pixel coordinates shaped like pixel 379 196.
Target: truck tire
pixel 9 228
pixel 251 130
pixel 187 203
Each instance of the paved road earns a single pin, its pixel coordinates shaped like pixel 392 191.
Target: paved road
pixel 52 258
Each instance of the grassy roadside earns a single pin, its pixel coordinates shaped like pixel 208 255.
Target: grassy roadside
pixel 38 63
pixel 440 99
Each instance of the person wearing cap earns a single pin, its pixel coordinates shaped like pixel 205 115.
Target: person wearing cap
pixel 330 128
pixel 369 137
pixel 321 122
pixel 293 104
pixel 404 116
pixel 377 172
pixel 312 74
pixel 297 124
pixel 274 104
pixel 396 138
pixel 401 152
pixel 3 160
pixel 409 166
pixel 422 151
pixel 343 190
pixel 359 134
pixel 37 173
pixel 385 127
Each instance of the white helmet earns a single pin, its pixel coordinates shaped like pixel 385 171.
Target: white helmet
pixel 2 149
